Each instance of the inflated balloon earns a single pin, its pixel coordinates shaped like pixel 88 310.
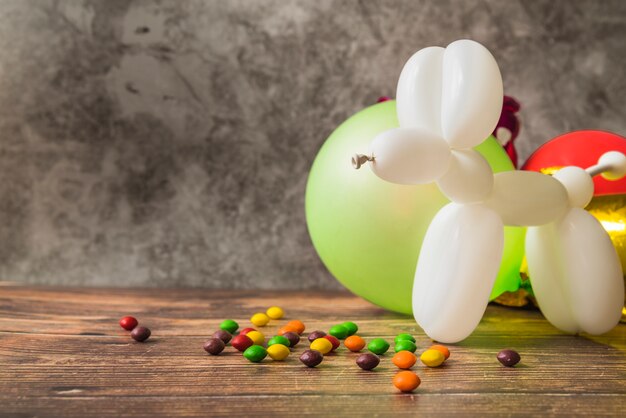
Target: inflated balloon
pixel 369 232
pixel 454 95
pixel 582 149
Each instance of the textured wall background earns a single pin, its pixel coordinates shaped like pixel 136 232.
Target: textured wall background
pixel 168 143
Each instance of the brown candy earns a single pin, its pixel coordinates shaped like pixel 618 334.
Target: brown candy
pixel 293 338
pixel 367 361
pixel 225 336
pixel 508 358
pixel 214 346
pixel 315 335
pixel 311 358
pixel 140 334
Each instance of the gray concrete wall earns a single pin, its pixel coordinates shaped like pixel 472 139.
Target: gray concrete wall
pixel 168 143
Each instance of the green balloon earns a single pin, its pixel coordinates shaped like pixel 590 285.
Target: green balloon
pixel 369 232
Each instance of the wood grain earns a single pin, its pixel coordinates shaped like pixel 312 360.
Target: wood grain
pixel 62 353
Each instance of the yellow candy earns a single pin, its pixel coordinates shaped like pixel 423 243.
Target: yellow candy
pixel 432 358
pixel 256 337
pixel 278 352
pixel 275 312
pixel 322 345
pixel 260 319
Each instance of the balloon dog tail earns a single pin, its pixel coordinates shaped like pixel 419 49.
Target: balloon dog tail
pixel 611 166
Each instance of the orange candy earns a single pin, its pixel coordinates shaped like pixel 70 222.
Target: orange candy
pixel 404 359
pixel 298 326
pixel 285 329
pixel 354 343
pixel 442 349
pixel 406 381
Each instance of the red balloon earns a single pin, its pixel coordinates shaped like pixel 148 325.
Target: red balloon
pixel 581 149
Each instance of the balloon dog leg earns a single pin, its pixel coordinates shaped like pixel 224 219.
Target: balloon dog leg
pixel 456 270
pixel 575 273
pixel 574 270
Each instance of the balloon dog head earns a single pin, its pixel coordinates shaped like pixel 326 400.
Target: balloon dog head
pixel 448 101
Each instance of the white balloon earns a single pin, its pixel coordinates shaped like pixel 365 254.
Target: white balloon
pixel 527 198
pixel 472 94
pixel 576 274
pixel 409 156
pixel 546 276
pixel 469 178
pixel 578 183
pixel 456 270
pixel 418 96
pixel 617 161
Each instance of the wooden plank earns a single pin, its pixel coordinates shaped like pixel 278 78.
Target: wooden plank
pixel 293 404
pixel 62 350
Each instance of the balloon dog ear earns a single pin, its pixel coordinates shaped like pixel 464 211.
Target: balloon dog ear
pixel 454 92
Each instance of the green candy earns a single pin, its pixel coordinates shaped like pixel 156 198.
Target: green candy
pixel 404 337
pixel 255 353
pixel 279 339
pixel 405 345
pixel 378 346
pixel 230 326
pixel 339 331
pixel 351 327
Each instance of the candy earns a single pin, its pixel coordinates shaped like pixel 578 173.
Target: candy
pixel 406 381
pixel 278 351
pixel 214 346
pixel 255 353
pixel 275 312
pixel 257 337
pixel 444 350
pixel 279 339
pixel 222 335
pixel 508 358
pixel 405 345
pixel 400 337
pixel 293 338
pixel 140 334
pixel 241 342
pixel 354 343
pixel 432 358
pixel 128 323
pixel 315 335
pixel 229 325
pixel 378 346
pixel 322 345
pixel 260 319
pixel 246 330
pixel 311 358
pixel 297 326
pixel 334 341
pixel 285 329
pixel 339 331
pixel 351 327
pixel 404 359
pixel 367 361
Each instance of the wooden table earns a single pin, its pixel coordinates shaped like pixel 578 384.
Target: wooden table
pixel 62 353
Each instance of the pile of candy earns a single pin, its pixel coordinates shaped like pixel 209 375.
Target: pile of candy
pixel 252 344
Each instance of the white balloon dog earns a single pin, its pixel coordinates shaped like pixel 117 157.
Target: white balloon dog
pixel 448 101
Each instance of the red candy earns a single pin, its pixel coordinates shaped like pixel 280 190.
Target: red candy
pixel 241 342
pixel 334 341
pixel 245 331
pixel 128 323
